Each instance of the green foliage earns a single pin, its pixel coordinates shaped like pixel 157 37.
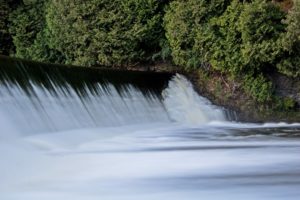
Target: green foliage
pixel 104 32
pixel 225 40
pixel 27 29
pixel 290 41
pixel 258 87
pixel 165 52
pixel 5 43
pixel 284 103
pixel 244 39
pixel 261 26
pixel 232 36
pixel 183 21
pixel 25 25
pixel 293 26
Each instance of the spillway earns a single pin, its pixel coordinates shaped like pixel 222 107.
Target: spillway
pixel 38 100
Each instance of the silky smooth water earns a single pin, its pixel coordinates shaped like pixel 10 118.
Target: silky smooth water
pixel 88 138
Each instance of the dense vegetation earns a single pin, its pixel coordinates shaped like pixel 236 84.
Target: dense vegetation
pixel 87 32
pixel 6 6
pixel 245 40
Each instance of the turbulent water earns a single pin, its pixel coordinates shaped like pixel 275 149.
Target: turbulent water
pixel 80 134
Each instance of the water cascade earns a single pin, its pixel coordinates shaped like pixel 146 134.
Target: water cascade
pixel 46 102
pixel 72 133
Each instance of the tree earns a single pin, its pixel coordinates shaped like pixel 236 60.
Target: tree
pixel 226 40
pixel 184 20
pixel 5 39
pixel 290 60
pixel 261 27
pixel 28 30
pixel 104 32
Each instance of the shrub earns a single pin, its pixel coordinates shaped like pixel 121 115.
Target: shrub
pixel 258 87
pixel 261 27
pixel 27 28
pixel 5 40
pixel 183 21
pixel 289 63
pixel 104 32
pixel 226 40
pixel 245 39
pixel 233 36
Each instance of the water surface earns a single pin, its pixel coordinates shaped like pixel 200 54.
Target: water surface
pixel 83 134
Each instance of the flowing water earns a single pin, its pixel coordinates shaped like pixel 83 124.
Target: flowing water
pixel 84 134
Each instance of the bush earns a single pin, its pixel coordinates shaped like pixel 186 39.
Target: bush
pixel 289 63
pixel 225 40
pixel 233 36
pixel 104 32
pixel 5 40
pixel 245 39
pixel 183 21
pixel 261 26
pixel 27 28
pixel 258 87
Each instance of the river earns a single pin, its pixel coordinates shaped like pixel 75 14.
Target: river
pixel 87 134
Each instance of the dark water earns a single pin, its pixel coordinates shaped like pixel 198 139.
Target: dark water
pixel 85 134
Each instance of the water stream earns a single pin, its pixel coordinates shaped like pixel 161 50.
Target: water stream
pixel 85 134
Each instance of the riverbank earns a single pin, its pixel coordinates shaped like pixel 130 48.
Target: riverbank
pixel 228 93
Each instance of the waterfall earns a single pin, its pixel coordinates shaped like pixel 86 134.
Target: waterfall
pixel 88 134
pixel 183 103
pixel 38 103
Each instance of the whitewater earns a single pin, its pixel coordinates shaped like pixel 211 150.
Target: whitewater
pixel 126 141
